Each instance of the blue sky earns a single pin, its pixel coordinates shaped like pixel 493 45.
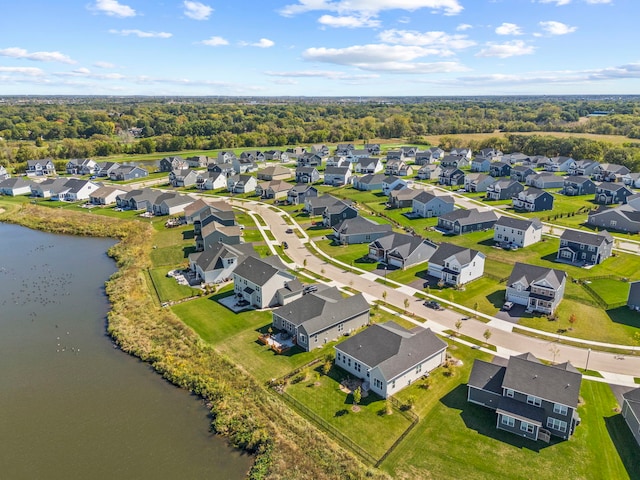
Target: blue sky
pixel 320 47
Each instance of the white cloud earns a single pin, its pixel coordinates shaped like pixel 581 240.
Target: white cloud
pixel 505 50
pixel 197 10
pixel 113 8
pixel 86 73
pixel 329 74
pixel 262 43
pixel 104 65
pixel 348 22
pixel 598 2
pixel 15 52
pixel 557 2
pixel 141 34
pixel 463 26
pixel 371 7
pixel 29 71
pixel 215 42
pixel 509 29
pixel 433 39
pixel 556 28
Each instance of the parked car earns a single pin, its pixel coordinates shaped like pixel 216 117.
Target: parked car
pixel 310 288
pixel 289 230
pixel 433 304
pixel 507 306
pixel 285 245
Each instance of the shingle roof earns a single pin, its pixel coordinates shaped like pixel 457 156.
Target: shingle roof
pixel 15 182
pixel 528 274
pixel 578 179
pixel 392 348
pixel 360 225
pixel 256 271
pixel 446 250
pixel 470 217
pixel 425 197
pixel 587 238
pixel 518 223
pixel 372 178
pixel 633 399
pixel 212 259
pixel 555 383
pixel 487 376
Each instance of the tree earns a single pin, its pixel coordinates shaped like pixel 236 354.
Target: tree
pixel 388 407
pixel 406 304
pixel 458 326
pixel 357 396
pixel 304 263
pixel 487 334
pixel 572 320
pixel 326 368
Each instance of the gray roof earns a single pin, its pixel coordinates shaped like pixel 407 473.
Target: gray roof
pixel 104 191
pixel 390 179
pixel 425 197
pixel 578 179
pixel 633 399
pixel 404 250
pixel 372 178
pixel 319 310
pixel 447 250
pixel 404 193
pixel 256 271
pixel 275 170
pixel 336 170
pixel 612 187
pixel 323 201
pixel 505 183
pixel 391 348
pixel 360 225
pixel 519 223
pixel 15 182
pixel 528 274
pixel 555 383
pixel 212 259
pixel 470 217
pixel 634 294
pixel 587 238
pixel 536 192
pixel 301 188
pixel 487 376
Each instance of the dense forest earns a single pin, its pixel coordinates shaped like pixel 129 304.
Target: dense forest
pixel 80 127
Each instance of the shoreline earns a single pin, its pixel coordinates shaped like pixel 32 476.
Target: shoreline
pixel 243 411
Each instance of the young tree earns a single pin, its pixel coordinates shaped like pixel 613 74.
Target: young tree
pixel 572 320
pixel 326 368
pixel 384 295
pixel 304 263
pixel 357 396
pixel 458 326
pixel 487 334
pixel 406 304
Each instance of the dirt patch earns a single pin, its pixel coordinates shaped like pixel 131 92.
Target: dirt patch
pixel 2 210
pixel 349 385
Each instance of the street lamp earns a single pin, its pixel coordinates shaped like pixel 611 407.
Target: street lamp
pixel 586 366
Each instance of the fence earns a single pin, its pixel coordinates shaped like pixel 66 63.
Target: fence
pixel 414 421
pixel 596 296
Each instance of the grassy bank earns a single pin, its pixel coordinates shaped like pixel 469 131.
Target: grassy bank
pixel 285 445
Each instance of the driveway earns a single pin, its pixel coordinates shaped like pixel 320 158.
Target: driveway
pixel 513 315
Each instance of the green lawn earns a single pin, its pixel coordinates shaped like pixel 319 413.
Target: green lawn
pixel 417 272
pixel 252 234
pixel 456 439
pixel 334 407
pixel 610 290
pixel 354 255
pixel 168 288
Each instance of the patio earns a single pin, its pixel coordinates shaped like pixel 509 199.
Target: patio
pixel 278 342
pixel 235 303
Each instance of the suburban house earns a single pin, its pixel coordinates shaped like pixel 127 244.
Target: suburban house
pixel 359 230
pixel 257 281
pixel 344 148
pixel 337 176
pixel 253 155
pixel 609 172
pixel 321 317
pixel 3 173
pixel 225 157
pixel 388 357
pixel 211 180
pixel 15 186
pixel 578 185
pixel 436 152
pixel 500 169
pixel 138 199
pixel 170 204
pixel 320 149
pixel 183 178
pixel 74 190
pixel 299 194
pixel 451 176
pixel 241 183
pixel 402 197
pixel 516 232
pixel 429 172
pixel 633 299
pixel 198 161
pixel 631 412
pixel 275 172
pixel 398 168
pixel 608 193
pixel 395 155
pixel 105 195
pixel 490 153
pixel 478 182
pixel 169 164
pixel 275 189
pixel 504 189
pixel 545 180
pixel 533 200
pixel 338 212
pixel 401 250
pixel 539 289
pixel 480 164
pixel 425 157
pixel 516 158
pixel 39 168
pixel 244 165
pixel 427 205
pixel 81 166
pixel 537 161
pixel 211 233
pixel 357 154
pixel 391 183
pixel 339 162
pixel 295 152
pixel 315 205
pixel 224 168
pixel 583 168
pixel 216 264
pixel 409 152
pixel 369 165
pixel 368 182
pixel 372 148
pixel 464 221
pixel 457 161
pixel 560 164
pixel 579 248
pixel 461 152
pixel 127 172
pixel 521 172
pixel 104 169
pixel 47 188
pixel 309 160
pixel 275 155
pixel 456 265
pixel 200 213
pixel 531 399
pixel 307 175
pixel 624 218
pixel 631 180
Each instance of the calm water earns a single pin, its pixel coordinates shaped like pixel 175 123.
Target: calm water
pixel 72 406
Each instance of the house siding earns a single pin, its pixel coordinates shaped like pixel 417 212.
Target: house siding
pixel 324 336
pixel 632 421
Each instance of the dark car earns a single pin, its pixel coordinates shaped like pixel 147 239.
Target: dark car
pixel 433 304
pixel 285 245
pixel 310 288
pixel 289 230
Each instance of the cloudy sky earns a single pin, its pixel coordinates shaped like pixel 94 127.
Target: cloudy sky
pixel 320 47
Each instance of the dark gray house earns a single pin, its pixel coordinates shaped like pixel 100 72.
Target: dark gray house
pixel 533 200
pixel 307 175
pixel 127 172
pixel 456 161
pixel 504 189
pixel 631 412
pixel 478 182
pixel 402 197
pixel 428 205
pixel 401 250
pixel 321 317
pixel 532 399
pixel 451 176
pixel 169 164
pixel 359 230
pixel 309 160
pixel 500 169
pixel 578 185
pixel 316 205
pixel 633 299
pixel 623 218
pixel 464 221
pixel 521 172
pixel 338 212
pixel 480 164
pixel 608 193
pixel 299 194
pixel 580 248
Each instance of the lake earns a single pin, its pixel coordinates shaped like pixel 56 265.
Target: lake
pixel 73 406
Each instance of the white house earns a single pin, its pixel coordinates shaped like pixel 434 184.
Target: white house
pixel 389 357
pixel 211 180
pixel 517 232
pixel 217 263
pixel 105 195
pixel 391 183
pixel 75 190
pixel 456 265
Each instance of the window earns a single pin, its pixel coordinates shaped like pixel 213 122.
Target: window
pixel 357 366
pixel 556 424
pixel 377 383
pixel 419 368
pixel 561 409
pixel 348 361
pixel 339 356
pixel 613 223
pixel 592 248
pixel 531 400
pixel 315 338
pixel 509 393
pixel 508 421
pixel 527 427
pixel 340 327
pixel 303 339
